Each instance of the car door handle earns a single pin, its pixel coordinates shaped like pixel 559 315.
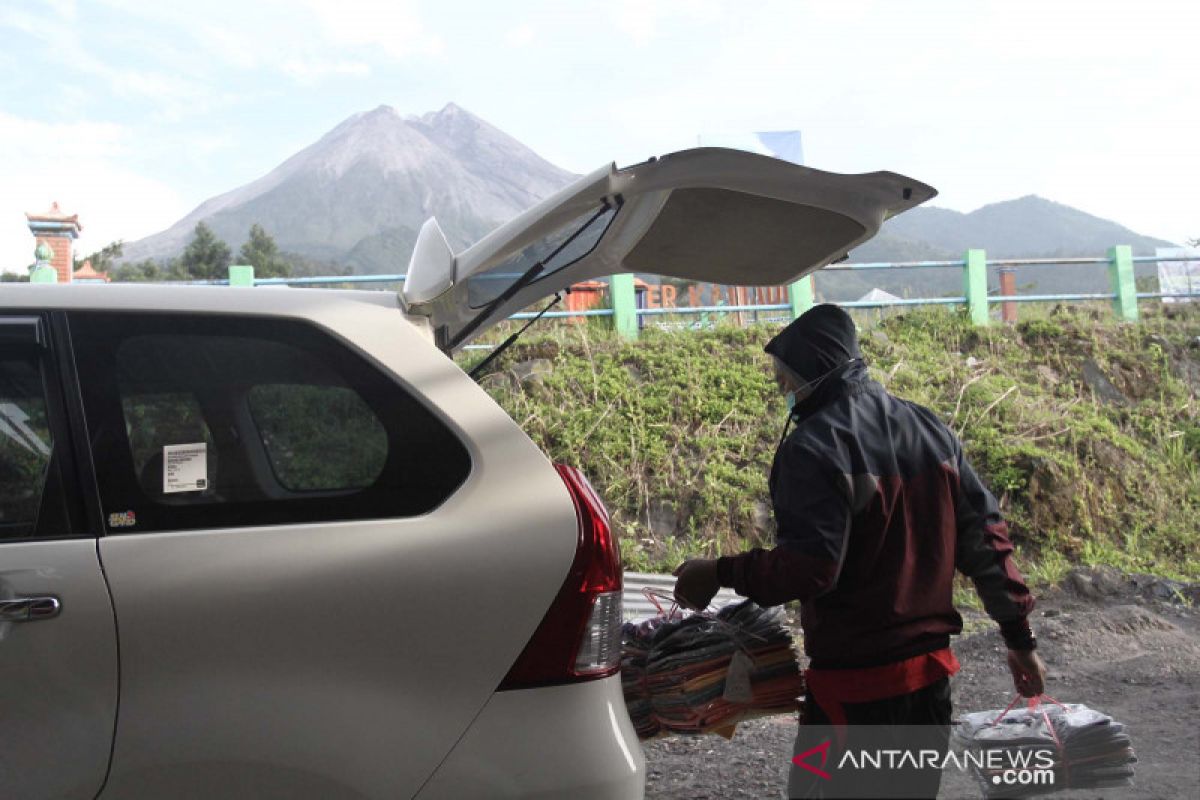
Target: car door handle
pixel 29 609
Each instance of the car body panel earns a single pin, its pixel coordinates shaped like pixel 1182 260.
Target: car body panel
pixel 332 659
pixel 58 676
pixel 559 741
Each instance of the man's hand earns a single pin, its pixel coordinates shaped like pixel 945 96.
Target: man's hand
pixel 697 584
pixel 1028 671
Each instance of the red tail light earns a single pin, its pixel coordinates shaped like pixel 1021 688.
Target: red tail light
pixel 580 637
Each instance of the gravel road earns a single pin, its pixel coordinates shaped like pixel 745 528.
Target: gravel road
pixel 1126 645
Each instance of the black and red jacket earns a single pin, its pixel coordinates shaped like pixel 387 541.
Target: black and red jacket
pixel 876 507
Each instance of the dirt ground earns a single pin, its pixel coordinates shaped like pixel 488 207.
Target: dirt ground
pixel 1125 645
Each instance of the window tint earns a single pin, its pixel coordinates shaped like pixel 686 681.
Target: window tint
pixel 560 249
pixel 207 421
pixel 318 437
pixel 33 497
pixel 25 445
pixel 152 420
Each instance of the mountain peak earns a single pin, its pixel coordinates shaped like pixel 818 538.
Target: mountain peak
pixel 450 114
pixel 360 193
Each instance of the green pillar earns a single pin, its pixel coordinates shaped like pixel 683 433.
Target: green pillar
pixel 241 275
pixel 975 286
pixel 624 304
pixel 43 273
pixel 1121 278
pixel 801 294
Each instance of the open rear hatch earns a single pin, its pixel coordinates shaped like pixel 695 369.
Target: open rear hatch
pixel 708 214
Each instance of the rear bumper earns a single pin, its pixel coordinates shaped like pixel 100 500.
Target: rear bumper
pixel 561 741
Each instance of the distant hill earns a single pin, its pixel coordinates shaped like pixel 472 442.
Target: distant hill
pixel 1028 227
pixel 359 195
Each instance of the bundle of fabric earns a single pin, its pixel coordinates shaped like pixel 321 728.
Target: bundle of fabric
pixel 1073 746
pixel 704 673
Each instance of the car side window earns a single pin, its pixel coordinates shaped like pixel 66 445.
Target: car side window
pixel 318 438
pixel 26 445
pixel 38 496
pixel 152 418
pixel 210 421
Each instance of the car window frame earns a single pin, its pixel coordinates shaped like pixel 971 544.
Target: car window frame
pixel 254 451
pixel 47 347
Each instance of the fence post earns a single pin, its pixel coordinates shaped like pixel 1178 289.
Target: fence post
pixel 241 275
pixel 624 305
pixel 800 294
pixel 1008 288
pixel 1121 278
pixel 975 286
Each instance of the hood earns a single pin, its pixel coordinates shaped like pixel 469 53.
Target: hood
pixel 817 343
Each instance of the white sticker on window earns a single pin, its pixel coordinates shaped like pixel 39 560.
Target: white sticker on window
pixel 185 467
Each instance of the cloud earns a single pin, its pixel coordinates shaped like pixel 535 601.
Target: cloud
pixel 78 165
pixel 392 27
pixel 174 93
pixel 520 36
pixel 642 20
pixel 66 9
pixel 312 70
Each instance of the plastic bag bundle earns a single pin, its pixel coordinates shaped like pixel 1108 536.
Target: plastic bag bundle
pixel 704 673
pixel 1081 747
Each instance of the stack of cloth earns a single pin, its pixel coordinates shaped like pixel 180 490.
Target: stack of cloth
pixel 1083 748
pixel 704 673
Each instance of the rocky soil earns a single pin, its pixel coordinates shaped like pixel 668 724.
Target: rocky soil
pixel 1127 645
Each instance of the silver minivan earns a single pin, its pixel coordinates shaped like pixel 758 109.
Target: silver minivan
pixel 275 543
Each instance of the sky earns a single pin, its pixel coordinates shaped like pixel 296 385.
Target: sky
pixel 132 112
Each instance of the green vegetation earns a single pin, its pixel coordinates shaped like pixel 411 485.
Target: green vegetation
pixel 1087 431
pixel 207 257
pixel 261 252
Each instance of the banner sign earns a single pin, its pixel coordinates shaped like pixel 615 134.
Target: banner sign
pixel 786 145
pixel 1180 277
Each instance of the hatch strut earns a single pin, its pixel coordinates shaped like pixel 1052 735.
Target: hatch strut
pixel 500 348
pixel 521 282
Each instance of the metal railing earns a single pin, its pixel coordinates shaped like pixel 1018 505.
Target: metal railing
pixel 628 314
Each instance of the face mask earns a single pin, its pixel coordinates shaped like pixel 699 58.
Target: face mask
pixel 810 387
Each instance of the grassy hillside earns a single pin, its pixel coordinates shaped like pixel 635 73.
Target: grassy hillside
pixel 1087 430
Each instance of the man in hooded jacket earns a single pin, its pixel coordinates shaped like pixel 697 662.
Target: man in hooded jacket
pixel 875 507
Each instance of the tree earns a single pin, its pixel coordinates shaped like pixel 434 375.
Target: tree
pixel 102 260
pixel 261 252
pixel 148 271
pixel 206 257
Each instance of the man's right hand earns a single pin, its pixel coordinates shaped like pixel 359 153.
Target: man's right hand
pixel 1028 671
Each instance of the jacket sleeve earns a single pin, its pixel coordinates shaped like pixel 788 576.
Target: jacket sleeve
pixel 812 515
pixel 984 554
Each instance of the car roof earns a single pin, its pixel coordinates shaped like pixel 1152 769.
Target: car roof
pixel 271 301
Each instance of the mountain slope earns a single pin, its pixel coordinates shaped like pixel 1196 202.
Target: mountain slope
pixel 360 194
pixel 1026 227
pixel 357 197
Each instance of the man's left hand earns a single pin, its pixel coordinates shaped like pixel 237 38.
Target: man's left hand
pixel 697 583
